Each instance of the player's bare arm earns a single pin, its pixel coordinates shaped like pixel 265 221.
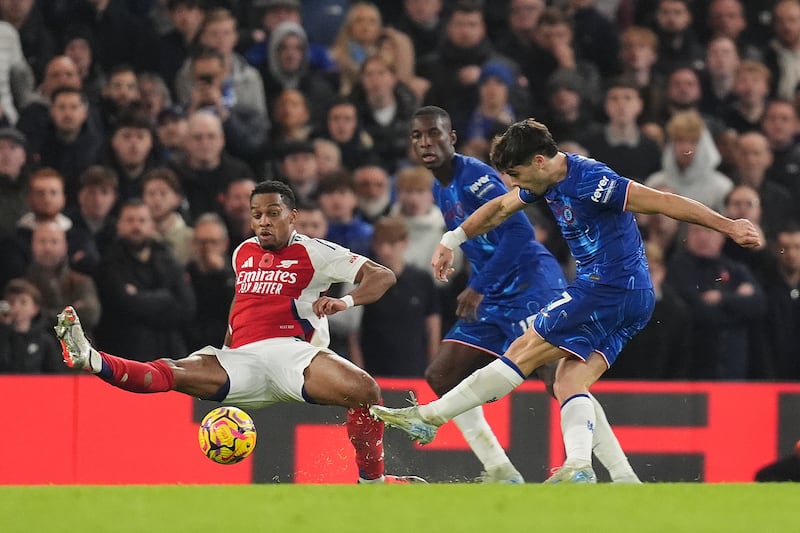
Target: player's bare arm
pixel 373 280
pixel 642 199
pixel 485 218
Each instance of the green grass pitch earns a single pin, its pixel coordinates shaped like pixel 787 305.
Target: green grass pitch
pixel 657 507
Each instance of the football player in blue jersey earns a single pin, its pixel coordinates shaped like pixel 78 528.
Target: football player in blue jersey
pixel 609 301
pixel 512 277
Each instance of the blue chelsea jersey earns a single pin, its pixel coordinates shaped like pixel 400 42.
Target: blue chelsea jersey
pixel 507 261
pixel 589 206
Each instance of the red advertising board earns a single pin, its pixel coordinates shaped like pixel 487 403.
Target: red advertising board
pixel 79 430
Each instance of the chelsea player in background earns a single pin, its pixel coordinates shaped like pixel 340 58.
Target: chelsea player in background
pixel 512 277
pixel 610 300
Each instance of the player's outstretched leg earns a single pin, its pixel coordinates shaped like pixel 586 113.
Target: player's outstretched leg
pixel 408 420
pixel 133 376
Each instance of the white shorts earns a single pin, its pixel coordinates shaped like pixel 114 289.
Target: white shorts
pixel 266 372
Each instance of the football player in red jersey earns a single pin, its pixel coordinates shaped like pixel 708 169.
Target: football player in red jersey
pixel 275 349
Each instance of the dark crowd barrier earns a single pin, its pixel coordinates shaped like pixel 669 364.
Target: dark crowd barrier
pixel 79 430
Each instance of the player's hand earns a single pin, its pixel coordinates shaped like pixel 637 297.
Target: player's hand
pixel 442 263
pixel 326 305
pixel 468 302
pixel 745 234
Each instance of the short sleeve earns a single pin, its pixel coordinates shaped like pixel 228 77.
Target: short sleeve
pixel 334 261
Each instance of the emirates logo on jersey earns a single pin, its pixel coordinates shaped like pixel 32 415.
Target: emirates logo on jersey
pixel 266 260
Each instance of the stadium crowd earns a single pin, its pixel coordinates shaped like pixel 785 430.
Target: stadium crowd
pixel 132 132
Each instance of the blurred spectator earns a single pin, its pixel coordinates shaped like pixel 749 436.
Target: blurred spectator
pixel 638 55
pixel 385 106
pixel 155 94
pixel 13 177
pixel 421 20
pixel 79 46
pixel 521 42
pixel 161 192
pixel 45 200
pixel 121 93
pixel 311 222
pixel 145 295
pixel 298 167
pixel 16 76
pixel 455 68
pixel 289 67
pixel 596 37
pixel 97 197
pixel 344 128
pixel 27 344
pixel 329 156
pixel 753 158
pixel 171 129
pixel 662 349
pixel 619 142
pixel 743 202
pixel 749 97
pixel 186 17
pixel 374 191
pixel 322 18
pixel 493 113
pixel 358 38
pixel 131 152
pixel 396 48
pixel 780 125
pixel 292 118
pixel 684 93
pixel 207 169
pixel 569 114
pixel 238 82
pixel 689 160
pixel 781 324
pixel 58 284
pixel 678 45
pixel 38 43
pixel 212 279
pixel 33 118
pixel 725 300
pixel 726 18
pixel 786 468
pixel 717 80
pixel 557 37
pixel 71 142
pixel 125 37
pixel 410 306
pixel 337 199
pixel 246 127
pixel 235 211
pixel 781 55
pixel 422 216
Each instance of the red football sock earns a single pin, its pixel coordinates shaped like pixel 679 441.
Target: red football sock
pixel 366 435
pixel 155 376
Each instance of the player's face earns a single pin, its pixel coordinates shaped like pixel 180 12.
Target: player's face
pixel 432 140
pixel 271 220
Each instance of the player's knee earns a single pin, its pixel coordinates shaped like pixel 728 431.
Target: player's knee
pixel 369 391
pixel 438 381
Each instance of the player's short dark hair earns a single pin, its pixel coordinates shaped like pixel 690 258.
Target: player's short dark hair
pixel 520 142
pixel 432 111
pixel 273 186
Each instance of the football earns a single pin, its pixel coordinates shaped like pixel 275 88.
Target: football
pixel 227 435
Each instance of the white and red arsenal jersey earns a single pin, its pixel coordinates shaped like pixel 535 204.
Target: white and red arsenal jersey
pixel 275 289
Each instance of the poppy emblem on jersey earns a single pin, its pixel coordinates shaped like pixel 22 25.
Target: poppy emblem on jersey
pixel 266 260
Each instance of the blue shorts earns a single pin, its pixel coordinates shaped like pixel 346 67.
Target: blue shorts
pixel 498 325
pixel 590 317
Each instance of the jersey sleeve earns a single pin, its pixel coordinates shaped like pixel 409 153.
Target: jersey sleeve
pixel 527 196
pixel 334 261
pixel 603 187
